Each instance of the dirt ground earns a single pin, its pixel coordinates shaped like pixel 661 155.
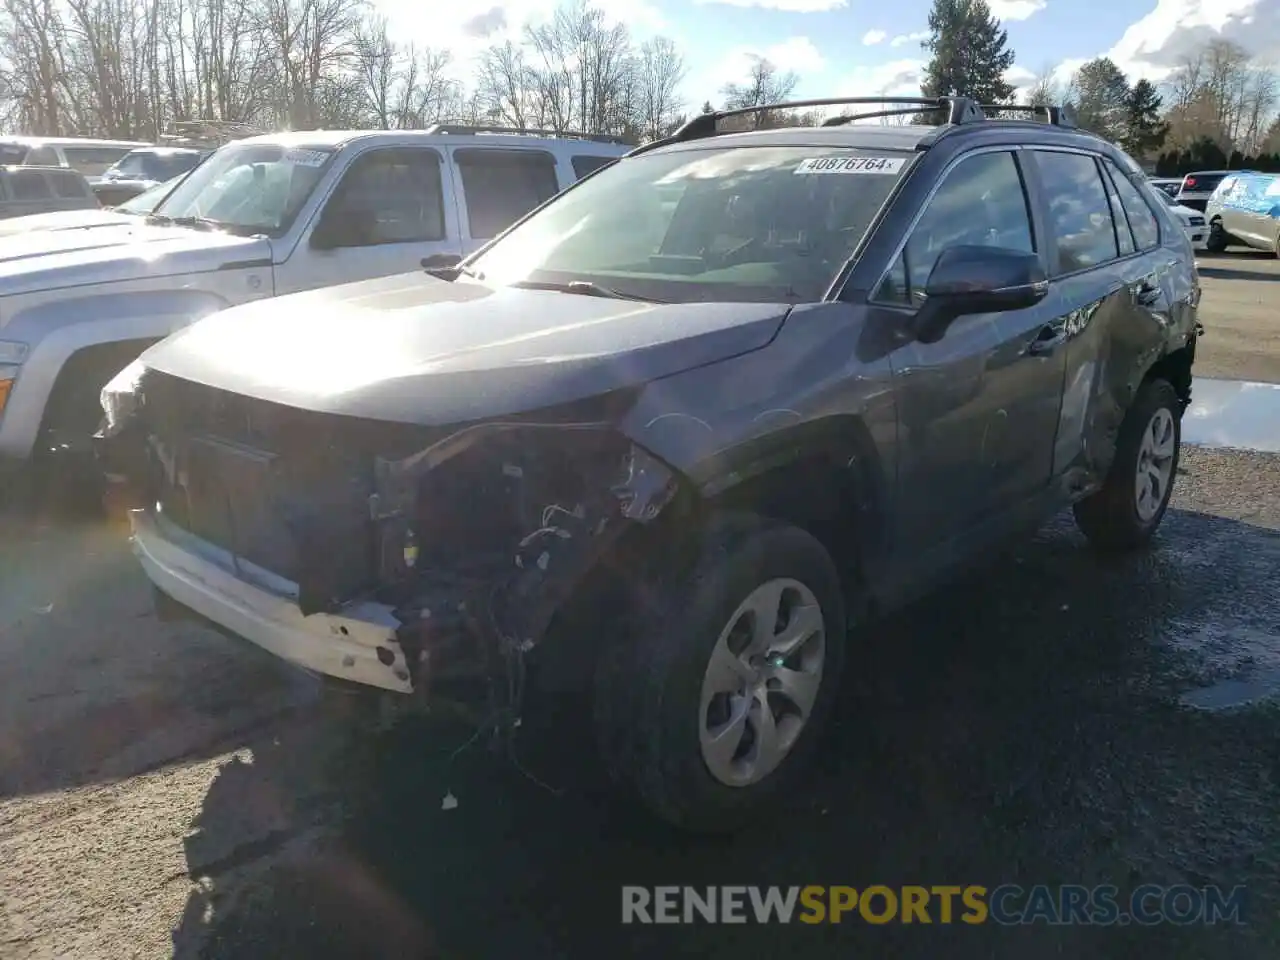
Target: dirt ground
pixel 166 791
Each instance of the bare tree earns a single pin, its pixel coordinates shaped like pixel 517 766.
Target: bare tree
pixel 504 83
pixel 135 67
pixel 1045 90
pixel 661 70
pixel 764 84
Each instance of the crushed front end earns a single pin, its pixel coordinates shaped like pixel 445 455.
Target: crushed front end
pixel 397 556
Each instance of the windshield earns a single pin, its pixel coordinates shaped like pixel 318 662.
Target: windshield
pixel 147 200
pixel 249 188
pixel 148 165
pixel 730 224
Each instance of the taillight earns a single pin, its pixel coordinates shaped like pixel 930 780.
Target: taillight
pixel 1189 182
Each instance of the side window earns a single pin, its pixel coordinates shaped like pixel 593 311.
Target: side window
pixel 585 165
pixel 390 196
pixel 981 201
pixel 1079 214
pixel 501 186
pixel 94 161
pixel 68 186
pixel 1273 187
pixel 29 185
pixel 1146 228
pixel 42 157
pixel 1124 234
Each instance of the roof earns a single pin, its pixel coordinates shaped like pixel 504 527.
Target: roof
pixel 168 151
pixel 72 141
pixel 338 138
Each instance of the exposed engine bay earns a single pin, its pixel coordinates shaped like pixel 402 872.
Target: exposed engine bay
pixel 474 536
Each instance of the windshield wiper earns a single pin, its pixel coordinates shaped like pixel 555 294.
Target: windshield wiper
pixel 200 223
pixel 585 288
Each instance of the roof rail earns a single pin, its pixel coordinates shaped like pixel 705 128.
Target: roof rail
pixel 1063 115
pixel 465 128
pixel 959 110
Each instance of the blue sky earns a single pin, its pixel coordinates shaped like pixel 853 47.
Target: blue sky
pixel 847 47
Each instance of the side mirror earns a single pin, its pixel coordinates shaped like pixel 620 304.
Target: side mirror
pixel 977 279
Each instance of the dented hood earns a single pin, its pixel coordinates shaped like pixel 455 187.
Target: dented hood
pixel 132 250
pixel 415 349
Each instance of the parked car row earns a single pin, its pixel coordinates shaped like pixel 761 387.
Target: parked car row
pixel 261 217
pixel 663 426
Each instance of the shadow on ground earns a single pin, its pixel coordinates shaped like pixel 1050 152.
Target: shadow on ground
pixel 1022 727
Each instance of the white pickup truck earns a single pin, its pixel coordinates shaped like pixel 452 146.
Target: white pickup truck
pixel 262 217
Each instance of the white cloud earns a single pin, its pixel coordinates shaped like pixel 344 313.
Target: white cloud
pixel 901 78
pixel 872 37
pixel 1155 45
pixel 904 38
pixel 794 54
pixel 465 29
pixel 1016 9
pixel 1019 76
pixel 790 6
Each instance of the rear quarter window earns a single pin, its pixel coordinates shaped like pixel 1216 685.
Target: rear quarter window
pixel 68 186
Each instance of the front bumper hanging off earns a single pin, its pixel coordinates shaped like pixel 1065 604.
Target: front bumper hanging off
pixel 358 645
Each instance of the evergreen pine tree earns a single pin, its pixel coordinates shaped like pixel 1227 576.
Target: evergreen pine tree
pixel 1145 132
pixel 969 53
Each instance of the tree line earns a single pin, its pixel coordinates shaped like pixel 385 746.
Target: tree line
pixel 132 68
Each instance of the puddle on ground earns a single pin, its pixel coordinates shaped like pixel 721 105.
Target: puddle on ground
pixel 1233 413
pixel 1229 694
pixel 1242 660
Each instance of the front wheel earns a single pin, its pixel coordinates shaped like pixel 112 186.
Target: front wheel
pixel 714 700
pixel 1125 513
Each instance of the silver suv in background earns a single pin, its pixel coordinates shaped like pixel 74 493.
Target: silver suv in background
pixel 28 190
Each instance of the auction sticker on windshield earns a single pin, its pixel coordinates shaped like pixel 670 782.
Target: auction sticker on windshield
pixel 889 165
pixel 307 158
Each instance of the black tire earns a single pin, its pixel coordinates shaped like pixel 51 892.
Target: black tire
pixel 70 482
pixel 1110 517
pixel 648 683
pixel 1217 239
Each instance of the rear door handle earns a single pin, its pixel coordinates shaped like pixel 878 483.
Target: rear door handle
pixel 1049 339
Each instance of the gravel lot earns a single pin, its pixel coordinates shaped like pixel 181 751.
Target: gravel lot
pixel 1051 720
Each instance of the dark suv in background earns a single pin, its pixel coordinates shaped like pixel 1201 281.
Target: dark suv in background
pixel 676 432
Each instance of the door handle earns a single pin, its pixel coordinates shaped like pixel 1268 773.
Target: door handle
pixel 1049 339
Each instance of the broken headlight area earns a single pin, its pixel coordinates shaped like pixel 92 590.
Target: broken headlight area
pixel 483 536
pixel 474 537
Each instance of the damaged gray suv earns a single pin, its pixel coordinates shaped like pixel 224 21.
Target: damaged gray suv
pixel 678 431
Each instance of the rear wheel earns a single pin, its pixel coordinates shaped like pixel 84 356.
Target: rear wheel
pixel 1125 513
pixel 711 705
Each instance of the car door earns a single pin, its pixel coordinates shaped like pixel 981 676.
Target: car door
pixel 977 410
pixel 1112 278
pixel 498 186
pixel 29 193
pixel 385 216
pixel 1237 213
